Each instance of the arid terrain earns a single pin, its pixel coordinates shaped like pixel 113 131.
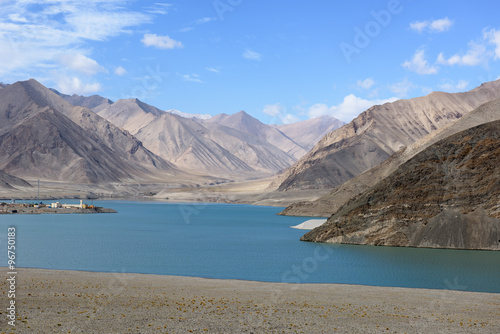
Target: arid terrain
pixel 52 301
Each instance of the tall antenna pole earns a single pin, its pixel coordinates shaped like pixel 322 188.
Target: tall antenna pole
pixel 38 191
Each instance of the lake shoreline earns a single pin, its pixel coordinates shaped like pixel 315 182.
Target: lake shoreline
pixel 92 302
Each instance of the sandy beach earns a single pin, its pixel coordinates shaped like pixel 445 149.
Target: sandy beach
pixel 53 301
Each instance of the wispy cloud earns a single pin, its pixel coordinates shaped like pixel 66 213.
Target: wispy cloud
pixel 346 111
pixel 120 71
pixel 81 63
pixel 278 112
pixel 251 55
pixel 493 37
pixel 73 85
pixel 402 88
pixel 38 36
pixel 452 87
pixel 435 26
pixel 213 69
pixel 161 42
pixel 159 8
pixel 191 77
pixel 365 84
pixel 475 55
pixel 204 20
pixel 419 64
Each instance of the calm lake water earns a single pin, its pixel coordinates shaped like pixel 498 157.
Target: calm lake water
pixel 231 242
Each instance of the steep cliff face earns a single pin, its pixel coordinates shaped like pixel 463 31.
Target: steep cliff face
pixel 447 196
pixel 376 134
pixel 330 203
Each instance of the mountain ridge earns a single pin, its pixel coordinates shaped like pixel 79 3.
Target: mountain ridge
pixel 330 203
pixel 446 196
pixel 376 134
pixel 43 136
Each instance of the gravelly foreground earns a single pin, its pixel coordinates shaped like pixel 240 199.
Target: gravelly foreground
pixel 50 301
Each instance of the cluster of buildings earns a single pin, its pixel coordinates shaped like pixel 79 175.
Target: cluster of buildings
pixel 82 205
pixel 14 207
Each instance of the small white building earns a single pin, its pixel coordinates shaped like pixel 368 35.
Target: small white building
pixel 56 205
pixel 79 206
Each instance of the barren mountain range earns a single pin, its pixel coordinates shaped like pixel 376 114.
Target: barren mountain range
pixel 236 146
pixel 376 134
pixel 446 196
pixel 43 136
pixel 328 204
pixel 56 137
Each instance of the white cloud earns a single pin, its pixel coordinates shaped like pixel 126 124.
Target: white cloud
pixel 475 55
pixel 212 69
pixel 419 64
pixel 252 55
pixel 205 20
pixel 191 77
pixel 493 37
pixel 35 33
pixel 17 18
pixel 80 63
pixel 159 8
pixel 99 25
pixel 402 88
pixel 450 87
pixel 278 112
pixel 365 84
pixel 439 25
pixel 349 109
pixel 73 85
pixel 419 25
pixel 289 119
pixel 161 42
pixel 120 71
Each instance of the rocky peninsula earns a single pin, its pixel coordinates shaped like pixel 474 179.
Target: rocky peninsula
pixel 54 208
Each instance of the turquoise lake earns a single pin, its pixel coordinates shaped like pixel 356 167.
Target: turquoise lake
pixel 231 242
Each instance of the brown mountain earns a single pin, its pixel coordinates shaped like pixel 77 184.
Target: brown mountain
pixel 328 204
pixel 91 102
pixel 378 133
pixel 175 138
pixel 9 181
pixel 202 146
pixel 309 132
pixel 43 136
pixel 444 197
pixel 245 123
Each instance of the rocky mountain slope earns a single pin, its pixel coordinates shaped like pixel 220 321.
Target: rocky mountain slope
pixel 328 204
pixel 91 102
pixel 309 132
pixel 43 136
pixel 245 123
pixel 9 181
pixel 376 134
pixel 231 146
pixel 444 197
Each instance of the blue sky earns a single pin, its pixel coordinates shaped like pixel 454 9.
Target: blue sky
pixel 281 61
